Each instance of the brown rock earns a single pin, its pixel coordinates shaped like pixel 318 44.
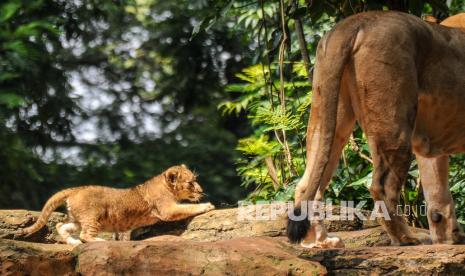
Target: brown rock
pixel 215 244
pixel 213 226
pixel 243 256
pixel 13 220
pixel 173 255
pixel 231 223
pixel 25 258
pixel 369 237
pixel 391 260
pixel 364 238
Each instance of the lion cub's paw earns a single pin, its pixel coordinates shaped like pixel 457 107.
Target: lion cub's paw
pixel 209 207
pixel 73 241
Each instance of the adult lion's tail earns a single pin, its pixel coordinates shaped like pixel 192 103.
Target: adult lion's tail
pixel 52 203
pixel 334 51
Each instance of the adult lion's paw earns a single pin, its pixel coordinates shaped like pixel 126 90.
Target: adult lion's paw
pixel 459 238
pixel 423 237
pixel 329 242
pixel 417 238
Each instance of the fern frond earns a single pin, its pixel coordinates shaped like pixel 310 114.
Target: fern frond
pixel 258 146
pixel 276 119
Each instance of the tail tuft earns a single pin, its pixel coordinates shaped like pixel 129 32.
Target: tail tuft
pixel 297 229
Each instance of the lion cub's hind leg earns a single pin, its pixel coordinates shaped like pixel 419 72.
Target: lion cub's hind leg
pixel 89 231
pixel 66 230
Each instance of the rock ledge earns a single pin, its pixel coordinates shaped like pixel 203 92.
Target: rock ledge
pixel 216 244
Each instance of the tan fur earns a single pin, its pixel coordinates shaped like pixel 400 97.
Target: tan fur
pixel 430 18
pixel 403 81
pixel 456 21
pixel 96 208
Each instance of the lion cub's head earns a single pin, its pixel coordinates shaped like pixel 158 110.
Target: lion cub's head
pixel 183 183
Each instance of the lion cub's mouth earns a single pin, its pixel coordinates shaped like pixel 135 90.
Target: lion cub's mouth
pixel 196 197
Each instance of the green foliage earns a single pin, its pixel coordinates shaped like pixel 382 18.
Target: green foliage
pixel 353 178
pixel 35 108
pixel 457 182
pixel 129 68
pixel 269 119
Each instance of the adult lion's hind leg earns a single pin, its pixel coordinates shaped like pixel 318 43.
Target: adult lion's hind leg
pixel 388 99
pixel 314 234
pixel 390 172
pixel 442 221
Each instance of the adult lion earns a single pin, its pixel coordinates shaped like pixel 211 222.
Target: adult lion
pixel 403 80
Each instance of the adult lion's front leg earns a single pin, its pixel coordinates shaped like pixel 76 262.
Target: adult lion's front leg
pixel 442 221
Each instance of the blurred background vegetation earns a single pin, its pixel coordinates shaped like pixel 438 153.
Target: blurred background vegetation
pixel 113 92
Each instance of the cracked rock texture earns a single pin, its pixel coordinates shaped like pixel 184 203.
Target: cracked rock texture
pixel 27 258
pixel 391 260
pixel 218 244
pixel 235 223
pixel 242 256
pixel 13 220
pixel 212 226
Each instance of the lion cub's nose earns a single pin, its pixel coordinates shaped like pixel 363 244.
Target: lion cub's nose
pixel 198 189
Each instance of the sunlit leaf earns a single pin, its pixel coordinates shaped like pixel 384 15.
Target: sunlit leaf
pixel 8 9
pixel 10 99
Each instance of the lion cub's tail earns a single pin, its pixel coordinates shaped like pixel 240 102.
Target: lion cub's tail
pixel 52 203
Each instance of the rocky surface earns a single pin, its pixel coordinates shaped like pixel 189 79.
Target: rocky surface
pixel 173 255
pixel 13 220
pixel 212 226
pixel 391 260
pixel 251 221
pixel 218 244
pixel 241 256
pixel 27 258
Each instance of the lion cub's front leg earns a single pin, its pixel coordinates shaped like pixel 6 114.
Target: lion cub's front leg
pixel 182 211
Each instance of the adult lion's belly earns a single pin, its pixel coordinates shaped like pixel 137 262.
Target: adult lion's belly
pixel 440 125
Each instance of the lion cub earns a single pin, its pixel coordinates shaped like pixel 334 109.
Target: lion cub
pixel 95 208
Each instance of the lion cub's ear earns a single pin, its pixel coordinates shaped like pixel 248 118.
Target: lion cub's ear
pixel 171 175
